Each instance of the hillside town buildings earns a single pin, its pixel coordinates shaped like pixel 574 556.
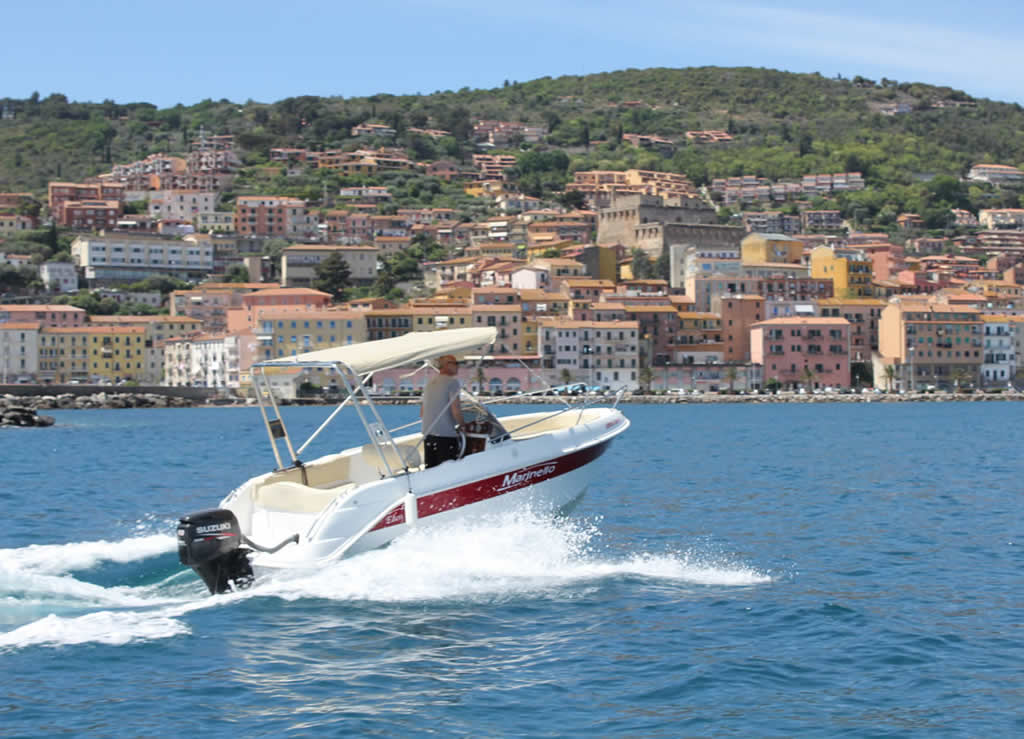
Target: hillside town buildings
pixel 783 293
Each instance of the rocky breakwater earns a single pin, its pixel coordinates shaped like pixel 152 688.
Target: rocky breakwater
pixel 21 409
pixel 15 413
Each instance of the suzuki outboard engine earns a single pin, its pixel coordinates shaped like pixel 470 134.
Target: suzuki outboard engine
pixel 210 542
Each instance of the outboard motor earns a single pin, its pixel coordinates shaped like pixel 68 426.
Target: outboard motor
pixel 210 542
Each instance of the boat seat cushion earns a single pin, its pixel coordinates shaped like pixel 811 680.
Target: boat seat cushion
pixel 410 456
pixel 294 497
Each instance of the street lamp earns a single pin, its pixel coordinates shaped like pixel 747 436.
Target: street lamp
pixel 910 352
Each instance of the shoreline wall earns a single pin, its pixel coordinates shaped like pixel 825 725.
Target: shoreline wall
pixel 198 394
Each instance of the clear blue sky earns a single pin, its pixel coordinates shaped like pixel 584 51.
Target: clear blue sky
pixel 185 51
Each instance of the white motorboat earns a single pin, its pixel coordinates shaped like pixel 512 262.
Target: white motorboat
pixel 361 498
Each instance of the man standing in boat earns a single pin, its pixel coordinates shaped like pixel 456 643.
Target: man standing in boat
pixel 440 413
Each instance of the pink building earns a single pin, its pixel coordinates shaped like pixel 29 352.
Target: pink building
pixel 57 316
pixel 508 320
pixel 803 352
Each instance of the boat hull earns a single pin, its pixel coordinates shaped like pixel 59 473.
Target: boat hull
pixel 546 473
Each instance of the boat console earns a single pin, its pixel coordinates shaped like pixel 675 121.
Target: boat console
pixel 480 427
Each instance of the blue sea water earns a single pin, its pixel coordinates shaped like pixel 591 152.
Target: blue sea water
pixel 739 570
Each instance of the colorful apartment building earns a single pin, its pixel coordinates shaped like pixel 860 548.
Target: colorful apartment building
pixel 111 259
pixel 738 314
pixel 849 269
pixel 928 342
pixel 157 330
pixel 210 302
pixel 864 315
pixel 595 352
pixel 116 353
pixel 288 333
pixel 762 248
pixel 63 354
pixel 267 215
pixel 89 215
pixel 19 351
pixel 60 193
pixel 507 318
pixel 45 315
pixel 807 353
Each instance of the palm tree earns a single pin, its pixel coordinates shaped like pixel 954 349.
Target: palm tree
pixel 890 376
pixel 960 377
pixel 808 375
pixel 731 374
pixel 566 376
pixel 646 376
pixel 481 380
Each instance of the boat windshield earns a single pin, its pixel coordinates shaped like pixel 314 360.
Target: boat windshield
pixel 476 414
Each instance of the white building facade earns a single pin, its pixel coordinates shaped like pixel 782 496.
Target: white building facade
pixel 604 353
pixel 999 363
pixel 128 258
pixel 59 276
pixel 19 352
pixel 181 205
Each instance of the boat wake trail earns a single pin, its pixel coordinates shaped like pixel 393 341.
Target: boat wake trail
pixel 49 593
pixel 514 555
pixel 54 595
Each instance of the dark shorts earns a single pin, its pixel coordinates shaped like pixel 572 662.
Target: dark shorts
pixel 438 449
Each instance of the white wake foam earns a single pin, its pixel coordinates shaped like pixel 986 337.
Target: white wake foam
pixel 59 558
pixel 512 555
pixel 103 627
pixel 516 555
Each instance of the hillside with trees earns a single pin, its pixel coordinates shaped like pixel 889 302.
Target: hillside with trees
pixel 783 125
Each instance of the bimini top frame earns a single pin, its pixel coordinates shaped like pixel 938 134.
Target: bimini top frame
pixel 354 365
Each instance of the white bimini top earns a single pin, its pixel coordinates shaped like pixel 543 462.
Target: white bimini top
pixel 373 356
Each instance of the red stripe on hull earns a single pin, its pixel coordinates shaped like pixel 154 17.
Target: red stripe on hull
pixel 492 487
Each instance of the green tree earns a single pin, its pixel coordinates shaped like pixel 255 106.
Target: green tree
pixel 646 376
pixel 333 276
pixel 642 267
pixel 237 273
pixel 572 199
pixel 961 379
pixel 136 207
pixel 809 376
pixel 890 376
pixel 731 373
pixel 662 267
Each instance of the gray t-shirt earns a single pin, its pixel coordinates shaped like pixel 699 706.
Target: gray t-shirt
pixel 440 394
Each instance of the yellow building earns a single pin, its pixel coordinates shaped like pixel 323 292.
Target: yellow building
pixel 116 353
pixel 158 328
pixel 496 249
pixel 64 354
pixel 849 270
pixel 607 262
pixel 758 248
pixel 535 251
pixel 285 333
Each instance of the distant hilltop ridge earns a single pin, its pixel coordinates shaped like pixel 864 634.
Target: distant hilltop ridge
pixel 651 85
pixel 51 138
